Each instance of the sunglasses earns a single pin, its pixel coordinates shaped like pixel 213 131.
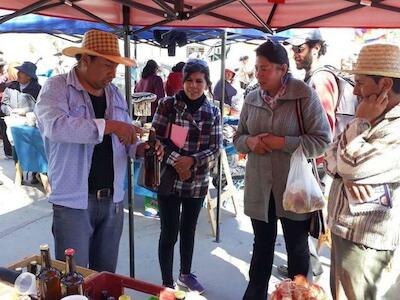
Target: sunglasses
pixel 196 61
pixel 298 49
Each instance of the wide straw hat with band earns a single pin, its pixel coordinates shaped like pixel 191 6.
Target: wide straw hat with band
pixel 100 43
pixel 378 59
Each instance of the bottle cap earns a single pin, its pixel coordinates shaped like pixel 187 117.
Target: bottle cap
pixel 180 295
pixel 69 252
pixel 44 247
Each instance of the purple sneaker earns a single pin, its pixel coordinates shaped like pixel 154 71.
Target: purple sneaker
pixel 190 282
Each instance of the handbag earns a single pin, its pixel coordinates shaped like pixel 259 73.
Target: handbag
pixel 317 222
pixel 167 179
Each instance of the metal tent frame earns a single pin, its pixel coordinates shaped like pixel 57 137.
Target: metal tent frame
pixel 261 14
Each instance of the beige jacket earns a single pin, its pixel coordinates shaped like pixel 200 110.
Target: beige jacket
pixel 366 155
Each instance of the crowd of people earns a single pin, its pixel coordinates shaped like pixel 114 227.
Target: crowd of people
pixel 19 91
pixel 88 136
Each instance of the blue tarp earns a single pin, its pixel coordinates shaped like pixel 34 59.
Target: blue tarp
pixel 53 25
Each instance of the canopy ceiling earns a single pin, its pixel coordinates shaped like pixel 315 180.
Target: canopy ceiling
pixel 264 14
pixel 53 25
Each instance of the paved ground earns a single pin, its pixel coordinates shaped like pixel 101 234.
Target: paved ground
pixel 25 223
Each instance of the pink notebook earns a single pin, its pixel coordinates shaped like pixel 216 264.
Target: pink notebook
pixel 178 135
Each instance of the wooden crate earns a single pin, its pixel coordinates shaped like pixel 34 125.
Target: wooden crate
pixel 7 291
pixel 60 265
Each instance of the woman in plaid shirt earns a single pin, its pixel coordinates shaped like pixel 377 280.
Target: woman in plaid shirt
pixel 193 122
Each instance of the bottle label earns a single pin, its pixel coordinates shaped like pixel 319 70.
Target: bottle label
pixel 71 290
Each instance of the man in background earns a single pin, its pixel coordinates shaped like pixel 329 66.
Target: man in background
pixel 308 49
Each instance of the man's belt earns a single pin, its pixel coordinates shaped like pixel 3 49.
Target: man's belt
pixel 102 193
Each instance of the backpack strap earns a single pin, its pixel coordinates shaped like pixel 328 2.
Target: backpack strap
pixel 332 70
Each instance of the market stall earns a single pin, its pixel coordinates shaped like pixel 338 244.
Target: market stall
pixel 277 14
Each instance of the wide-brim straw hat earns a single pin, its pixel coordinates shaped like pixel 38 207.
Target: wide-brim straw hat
pixel 100 43
pixel 378 59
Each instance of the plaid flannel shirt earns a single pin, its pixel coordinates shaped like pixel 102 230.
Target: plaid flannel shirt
pixel 203 142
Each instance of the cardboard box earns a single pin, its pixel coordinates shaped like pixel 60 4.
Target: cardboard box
pixel 60 265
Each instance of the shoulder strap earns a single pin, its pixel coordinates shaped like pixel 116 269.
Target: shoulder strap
pixel 299 113
pixel 326 68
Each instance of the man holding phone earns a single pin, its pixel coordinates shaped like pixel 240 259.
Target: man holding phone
pixel 364 157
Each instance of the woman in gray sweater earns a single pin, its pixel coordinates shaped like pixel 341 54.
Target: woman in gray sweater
pixel 269 132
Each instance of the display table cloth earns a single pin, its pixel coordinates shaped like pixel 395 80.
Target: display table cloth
pixel 30 148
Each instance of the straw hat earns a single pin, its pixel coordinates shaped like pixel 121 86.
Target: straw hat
pixel 100 43
pixel 378 59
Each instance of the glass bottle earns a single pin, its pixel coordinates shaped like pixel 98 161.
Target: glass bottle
pixel 71 281
pixel 32 267
pixel 151 162
pixel 48 278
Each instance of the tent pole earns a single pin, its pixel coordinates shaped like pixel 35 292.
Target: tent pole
pixel 128 88
pixel 23 11
pixel 221 107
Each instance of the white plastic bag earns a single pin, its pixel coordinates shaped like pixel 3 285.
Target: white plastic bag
pixel 302 193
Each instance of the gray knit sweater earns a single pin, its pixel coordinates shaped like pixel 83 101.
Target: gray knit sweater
pixel 268 172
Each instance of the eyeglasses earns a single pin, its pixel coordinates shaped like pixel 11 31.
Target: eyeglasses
pixel 299 49
pixel 196 61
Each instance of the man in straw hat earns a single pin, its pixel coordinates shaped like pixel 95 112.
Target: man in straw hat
pixel 88 136
pixel 363 206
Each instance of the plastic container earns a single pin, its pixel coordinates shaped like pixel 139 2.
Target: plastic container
pixel 75 297
pixel 115 284
pixel 25 284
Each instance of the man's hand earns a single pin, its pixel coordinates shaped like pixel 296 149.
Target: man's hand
pixel 18 111
pixel 359 192
pixel 256 144
pixel 372 107
pixel 184 163
pixel 127 133
pixel 273 142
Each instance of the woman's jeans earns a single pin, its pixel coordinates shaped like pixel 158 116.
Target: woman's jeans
pixel 296 240
pixel 173 220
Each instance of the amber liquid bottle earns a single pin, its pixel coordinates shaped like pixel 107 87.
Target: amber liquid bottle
pixel 48 278
pixel 71 281
pixel 151 163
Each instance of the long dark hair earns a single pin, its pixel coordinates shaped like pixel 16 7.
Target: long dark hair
pixel 178 67
pixel 149 69
pixel 197 65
